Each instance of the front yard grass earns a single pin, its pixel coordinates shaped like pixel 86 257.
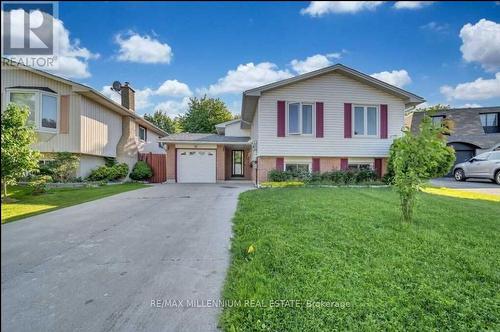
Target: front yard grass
pixel 347 247
pixel 28 205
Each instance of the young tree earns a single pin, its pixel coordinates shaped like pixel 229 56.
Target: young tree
pixel 415 158
pixel 16 139
pixel 203 114
pixel 163 121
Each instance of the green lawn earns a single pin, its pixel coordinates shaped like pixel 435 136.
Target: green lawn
pixel 29 205
pixel 348 248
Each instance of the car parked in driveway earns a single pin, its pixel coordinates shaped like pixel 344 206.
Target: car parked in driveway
pixel 483 166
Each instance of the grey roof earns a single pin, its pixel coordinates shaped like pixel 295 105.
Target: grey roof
pixel 204 138
pixel 467 125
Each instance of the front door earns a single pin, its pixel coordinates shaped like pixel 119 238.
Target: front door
pixel 237 163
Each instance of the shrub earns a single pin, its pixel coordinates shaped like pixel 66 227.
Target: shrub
pixel 365 175
pixel 39 183
pixel 340 177
pixel 278 176
pixel 141 171
pixel 62 168
pixel 109 173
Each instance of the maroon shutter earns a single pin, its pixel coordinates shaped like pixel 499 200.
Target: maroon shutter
pixel 315 165
pixel 347 120
pixel 281 118
pixel 280 163
pixel 383 121
pixel 378 167
pixel 319 119
pixel 344 165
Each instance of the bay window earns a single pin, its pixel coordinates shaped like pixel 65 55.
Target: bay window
pixel 43 107
pixel 300 118
pixel 365 121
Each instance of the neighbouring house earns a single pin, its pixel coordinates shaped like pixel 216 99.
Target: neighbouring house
pixel 475 129
pixel 73 117
pixel 329 119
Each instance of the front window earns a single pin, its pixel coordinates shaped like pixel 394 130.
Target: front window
pixel 437 120
pixel 43 107
pixel 359 167
pixel 365 120
pixel 489 121
pixel 300 119
pixel 143 133
pixel 297 167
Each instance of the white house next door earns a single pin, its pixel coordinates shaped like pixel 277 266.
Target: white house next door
pixel 196 166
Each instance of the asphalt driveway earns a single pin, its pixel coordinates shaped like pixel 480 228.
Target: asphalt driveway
pixel 472 185
pixel 99 266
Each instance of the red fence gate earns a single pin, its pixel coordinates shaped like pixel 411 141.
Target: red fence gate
pixel 158 163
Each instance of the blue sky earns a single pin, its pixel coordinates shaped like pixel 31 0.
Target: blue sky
pixel 446 52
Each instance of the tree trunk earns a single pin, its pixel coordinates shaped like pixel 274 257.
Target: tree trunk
pixel 4 189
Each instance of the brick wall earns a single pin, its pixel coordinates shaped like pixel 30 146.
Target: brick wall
pixel 327 164
pixel 265 164
pixel 171 162
pixel 220 155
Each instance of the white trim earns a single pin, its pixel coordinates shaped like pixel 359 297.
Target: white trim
pixel 38 107
pixel 365 124
pixel 313 118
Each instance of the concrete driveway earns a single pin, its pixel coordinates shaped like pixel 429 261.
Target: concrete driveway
pixel 99 265
pixel 472 185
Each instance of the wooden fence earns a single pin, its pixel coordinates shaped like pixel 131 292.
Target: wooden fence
pixel 158 163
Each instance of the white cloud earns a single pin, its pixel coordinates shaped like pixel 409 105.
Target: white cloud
pixel 481 43
pixel 173 88
pixel 245 77
pixel 434 26
pixel 142 97
pixel 472 105
pixel 72 58
pixel 173 107
pixel 142 49
pixel 477 90
pixel 320 8
pixel 411 4
pixel 313 62
pixel 397 78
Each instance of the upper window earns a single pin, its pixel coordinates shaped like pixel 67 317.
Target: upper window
pixel 490 122
pixel 365 120
pixel 300 118
pixel 143 133
pixel 43 107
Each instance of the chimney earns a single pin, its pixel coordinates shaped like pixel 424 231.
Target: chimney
pixel 128 96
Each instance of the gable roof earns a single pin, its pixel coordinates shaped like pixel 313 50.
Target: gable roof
pixel 90 93
pixel 251 96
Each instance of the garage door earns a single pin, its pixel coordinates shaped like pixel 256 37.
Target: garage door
pixel 195 166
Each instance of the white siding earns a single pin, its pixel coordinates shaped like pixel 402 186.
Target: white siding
pixel 151 145
pixel 234 129
pixel 15 77
pixel 101 129
pixel 333 90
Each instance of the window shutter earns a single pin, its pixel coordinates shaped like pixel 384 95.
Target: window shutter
pixel 347 120
pixel 378 167
pixel 344 164
pixel 280 164
pixel 383 121
pixel 315 165
pixel 281 118
pixel 64 106
pixel 319 120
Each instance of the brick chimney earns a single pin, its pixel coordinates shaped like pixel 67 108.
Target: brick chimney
pixel 128 96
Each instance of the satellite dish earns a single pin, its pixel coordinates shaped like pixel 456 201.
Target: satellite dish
pixel 117 86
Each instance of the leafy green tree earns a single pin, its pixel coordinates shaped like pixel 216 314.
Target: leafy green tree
pixel 16 139
pixel 203 114
pixel 415 158
pixel 163 121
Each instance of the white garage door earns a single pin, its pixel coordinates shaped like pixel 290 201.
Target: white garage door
pixel 195 166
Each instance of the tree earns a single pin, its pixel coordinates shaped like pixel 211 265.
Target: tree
pixel 163 121
pixel 203 114
pixel 415 158
pixel 17 156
